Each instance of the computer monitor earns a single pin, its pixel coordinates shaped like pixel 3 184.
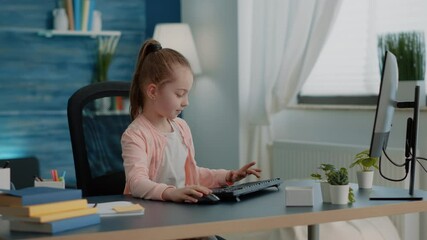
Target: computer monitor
pixel 384 114
pixel 385 105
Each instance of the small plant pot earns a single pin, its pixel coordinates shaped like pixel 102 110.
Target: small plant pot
pixel 365 179
pixel 326 194
pixel 339 193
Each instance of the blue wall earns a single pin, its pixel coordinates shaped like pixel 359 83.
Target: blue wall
pixel 38 74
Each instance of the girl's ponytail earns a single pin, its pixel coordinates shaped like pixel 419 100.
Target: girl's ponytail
pixel 155 65
pixel 136 90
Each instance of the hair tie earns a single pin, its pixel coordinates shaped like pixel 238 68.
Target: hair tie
pixel 154 47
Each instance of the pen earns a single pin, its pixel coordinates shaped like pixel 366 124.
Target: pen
pixel 62 178
pixel 56 175
pixel 52 173
pixel 6 164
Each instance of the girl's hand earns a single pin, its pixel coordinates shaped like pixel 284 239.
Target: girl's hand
pixel 237 175
pixel 186 194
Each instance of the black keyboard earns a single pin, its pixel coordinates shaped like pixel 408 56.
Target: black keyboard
pixel 236 191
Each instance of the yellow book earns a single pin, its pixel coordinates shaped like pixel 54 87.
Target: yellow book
pixel 85 15
pixel 43 209
pixel 55 216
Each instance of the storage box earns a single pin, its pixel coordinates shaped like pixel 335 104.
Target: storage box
pixel 4 179
pixel 299 196
pixel 49 183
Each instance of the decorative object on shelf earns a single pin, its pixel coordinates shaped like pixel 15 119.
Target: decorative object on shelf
pixel 366 163
pixel 324 184
pixel 106 49
pixel 60 20
pixel 178 36
pixel 96 21
pixel 409 49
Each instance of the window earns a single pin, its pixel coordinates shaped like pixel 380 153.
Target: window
pixel 348 63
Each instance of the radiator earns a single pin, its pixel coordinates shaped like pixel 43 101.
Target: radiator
pixel 297 160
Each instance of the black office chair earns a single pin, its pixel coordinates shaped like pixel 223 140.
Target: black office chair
pixel 95 133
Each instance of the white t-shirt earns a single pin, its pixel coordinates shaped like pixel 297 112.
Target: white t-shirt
pixel 172 169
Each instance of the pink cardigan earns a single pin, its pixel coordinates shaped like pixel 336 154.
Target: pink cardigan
pixel 142 151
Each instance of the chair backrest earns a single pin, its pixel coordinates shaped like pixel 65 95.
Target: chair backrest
pixel 95 131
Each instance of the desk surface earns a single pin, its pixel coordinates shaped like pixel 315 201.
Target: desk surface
pixel 267 210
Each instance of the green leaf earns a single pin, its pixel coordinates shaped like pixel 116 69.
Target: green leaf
pixel 316 176
pixel 364 161
pixel 351 198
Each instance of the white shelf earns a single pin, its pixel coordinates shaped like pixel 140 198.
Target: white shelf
pixel 52 33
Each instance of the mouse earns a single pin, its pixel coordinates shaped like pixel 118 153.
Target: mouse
pixel 210 198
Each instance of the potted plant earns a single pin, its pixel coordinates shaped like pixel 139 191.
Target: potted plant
pixel 339 187
pixel 409 49
pixel 367 164
pixel 324 185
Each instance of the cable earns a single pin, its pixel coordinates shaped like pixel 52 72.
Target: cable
pixel 395 164
pixel 408 147
pixel 394 180
pixel 421 158
pixel 425 170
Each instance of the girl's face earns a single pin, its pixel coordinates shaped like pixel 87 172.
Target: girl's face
pixel 172 97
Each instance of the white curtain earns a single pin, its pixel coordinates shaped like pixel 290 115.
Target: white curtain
pixel 286 39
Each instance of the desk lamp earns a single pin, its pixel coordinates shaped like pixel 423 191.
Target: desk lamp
pixel 178 36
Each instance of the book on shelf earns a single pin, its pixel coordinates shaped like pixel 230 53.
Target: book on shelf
pixel 90 20
pixel 55 226
pixel 43 209
pixel 85 15
pixel 38 195
pixel 77 7
pixel 80 14
pixel 53 216
pixel 119 103
pixel 70 14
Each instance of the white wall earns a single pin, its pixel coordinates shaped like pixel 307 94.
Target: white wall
pixel 214 109
pixel 213 113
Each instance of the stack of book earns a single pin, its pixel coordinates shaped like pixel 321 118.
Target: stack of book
pixel 80 14
pixel 46 210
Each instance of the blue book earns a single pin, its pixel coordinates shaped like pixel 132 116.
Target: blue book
pixel 77 4
pixel 55 226
pixel 38 195
pixel 91 9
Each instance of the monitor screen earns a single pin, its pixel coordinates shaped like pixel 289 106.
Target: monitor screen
pixel 385 105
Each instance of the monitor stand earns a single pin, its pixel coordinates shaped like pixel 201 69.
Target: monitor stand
pixel 410 152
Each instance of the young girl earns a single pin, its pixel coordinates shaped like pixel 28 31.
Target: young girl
pixel 157 147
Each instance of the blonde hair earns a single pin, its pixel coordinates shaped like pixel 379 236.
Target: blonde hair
pixel 154 65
